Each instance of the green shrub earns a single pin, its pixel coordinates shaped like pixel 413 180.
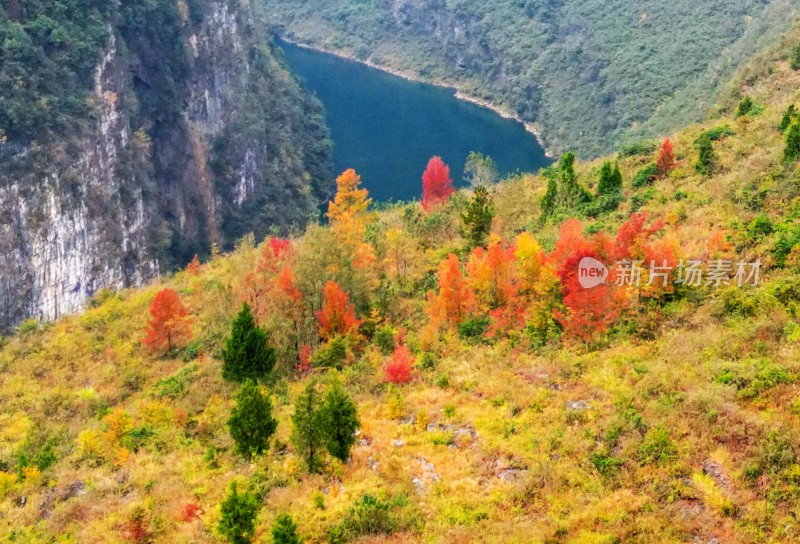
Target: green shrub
pixel 752 377
pixel 657 447
pixel 367 516
pixel 637 149
pixel 645 176
pixel 745 106
pixel 474 328
pixel 176 385
pixel 760 226
pixel 715 134
pixel 788 238
pixel 331 355
pixel 794 58
pixel 284 531
pixel 605 464
pixel 384 339
pixel 427 361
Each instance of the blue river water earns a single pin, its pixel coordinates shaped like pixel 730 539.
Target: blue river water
pixel 387 127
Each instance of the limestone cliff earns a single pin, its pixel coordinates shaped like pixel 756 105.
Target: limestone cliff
pixel 192 134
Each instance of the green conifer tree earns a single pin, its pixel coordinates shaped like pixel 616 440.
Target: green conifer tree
pixel 610 179
pixel 284 531
pixel 238 521
pixel 339 420
pixel 792 150
pixel 247 353
pixel 251 423
pixel 307 435
pixel 477 218
pixel 548 202
pixel 705 156
pixel 788 116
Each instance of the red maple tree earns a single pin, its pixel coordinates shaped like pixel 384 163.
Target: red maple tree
pixel 436 183
pixel 589 312
pixel 337 315
pixel 169 324
pixel 666 158
pixel 400 367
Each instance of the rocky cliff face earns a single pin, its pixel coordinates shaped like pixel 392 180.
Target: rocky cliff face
pixel 196 136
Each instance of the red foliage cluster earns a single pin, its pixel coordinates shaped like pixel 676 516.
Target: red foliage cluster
pixel 193 267
pixel 436 183
pixel 169 326
pixel 191 512
pixel 666 158
pixel 135 530
pixel 400 368
pixel 337 315
pixel 304 356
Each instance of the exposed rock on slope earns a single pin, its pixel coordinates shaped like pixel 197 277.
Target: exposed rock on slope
pixel 187 131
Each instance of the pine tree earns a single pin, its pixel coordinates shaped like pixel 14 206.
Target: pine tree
pixel 610 180
pixel 478 216
pixel 307 435
pixel 792 150
pixel 247 353
pixel 238 521
pixel 339 419
pixel 251 423
pixel 705 156
pixel 788 116
pixel 284 531
pixel 548 202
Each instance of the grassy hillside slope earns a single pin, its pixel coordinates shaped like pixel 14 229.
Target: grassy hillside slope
pixel 588 74
pixel 676 424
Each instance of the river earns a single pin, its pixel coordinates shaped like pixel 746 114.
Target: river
pixel 387 127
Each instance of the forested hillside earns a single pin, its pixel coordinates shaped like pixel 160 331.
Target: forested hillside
pixel 438 371
pixel 134 135
pixel 589 74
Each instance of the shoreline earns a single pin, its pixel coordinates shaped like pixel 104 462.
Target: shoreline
pixel 457 92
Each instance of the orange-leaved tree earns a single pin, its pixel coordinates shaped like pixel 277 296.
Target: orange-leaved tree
pixel 337 316
pixel 589 312
pixel 455 300
pixel 666 158
pixel 193 268
pixel 436 183
pixel 169 325
pixel 350 202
